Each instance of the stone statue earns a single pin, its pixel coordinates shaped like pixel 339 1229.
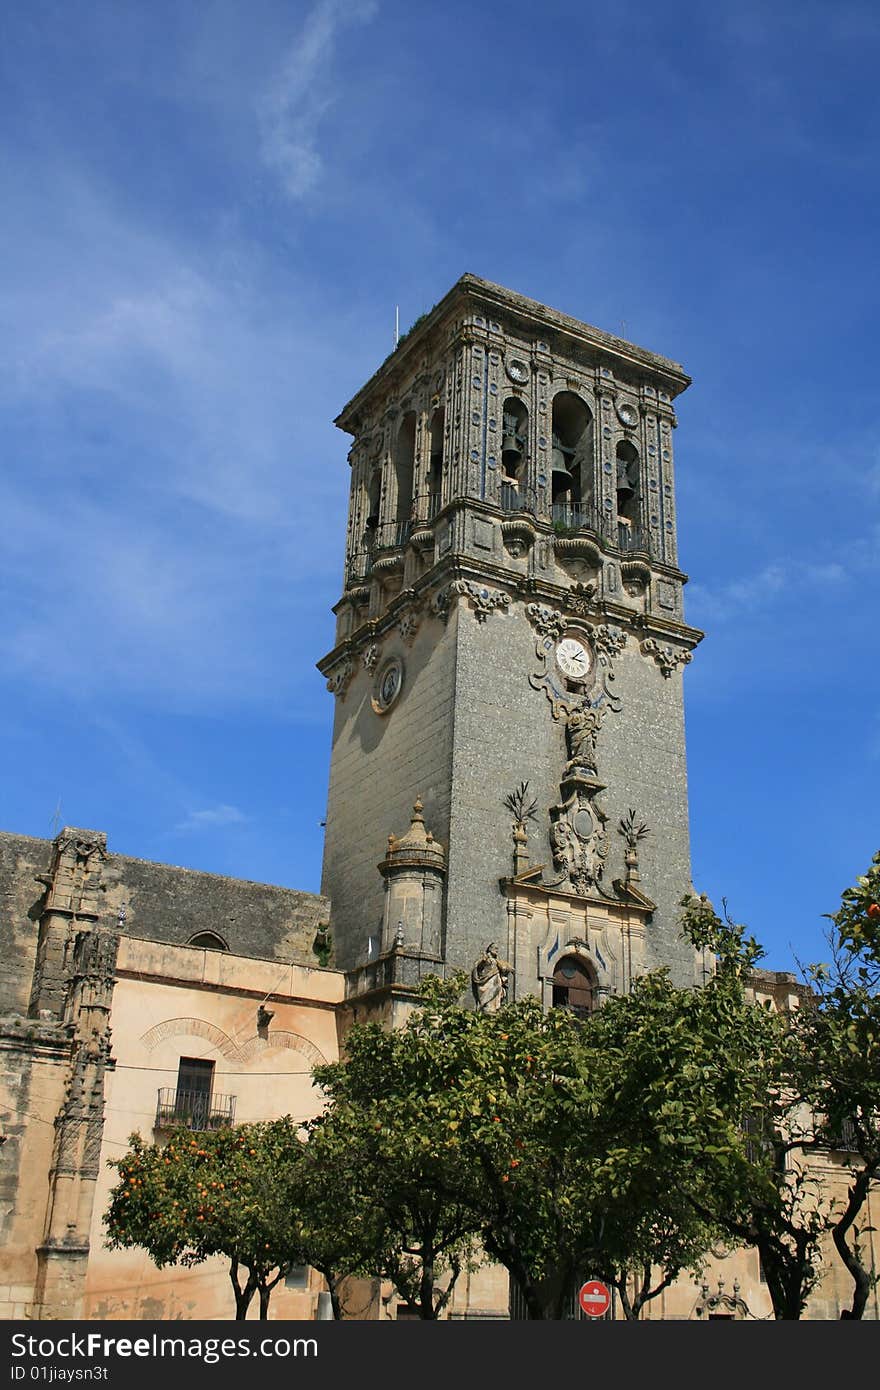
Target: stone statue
pixel 581 732
pixel 489 980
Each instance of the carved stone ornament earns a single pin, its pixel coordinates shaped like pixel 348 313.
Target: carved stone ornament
pixel 408 625
pixel 370 656
pixel 481 598
pixel 340 676
pixel 667 658
pixel 604 642
pixel 578 841
pixel 546 620
pixel 582 599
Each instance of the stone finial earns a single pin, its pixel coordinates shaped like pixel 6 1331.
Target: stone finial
pixel 418 842
pixel 632 833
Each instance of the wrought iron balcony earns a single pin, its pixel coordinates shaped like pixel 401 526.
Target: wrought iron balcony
pixel 193 1109
pixel 632 540
pixel 575 516
pixel 392 535
pixel 518 499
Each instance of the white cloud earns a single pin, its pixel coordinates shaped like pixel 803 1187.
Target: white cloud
pixel 212 818
pixel 169 456
pixel 290 112
pixel 759 590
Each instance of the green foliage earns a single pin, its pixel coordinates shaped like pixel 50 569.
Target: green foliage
pixel 503 1126
pixel 858 920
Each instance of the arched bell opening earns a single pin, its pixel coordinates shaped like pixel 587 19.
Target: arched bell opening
pixel 627 490
pixel 571 459
pixel 514 444
pixel 404 461
pixel 374 498
pixel 435 469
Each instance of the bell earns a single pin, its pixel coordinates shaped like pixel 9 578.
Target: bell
pixel 511 452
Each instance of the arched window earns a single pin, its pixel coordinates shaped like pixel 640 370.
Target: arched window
pixel 571 476
pixel 374 498
pixel 435 472
pixel 514 439
pixel 208 941
pixel 574 987
pixel 627 488
pixel 404 458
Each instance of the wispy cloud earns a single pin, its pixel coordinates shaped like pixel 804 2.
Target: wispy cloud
pixel 161 455
pixel 290 112
pixel 212 818
pixel 762 589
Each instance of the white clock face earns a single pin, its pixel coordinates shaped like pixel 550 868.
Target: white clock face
pixel 573 659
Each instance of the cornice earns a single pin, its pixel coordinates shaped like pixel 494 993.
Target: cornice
pixel 536 318
pixel 465 569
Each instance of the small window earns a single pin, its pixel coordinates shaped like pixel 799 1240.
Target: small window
pixel 208 941
pixel 297 1277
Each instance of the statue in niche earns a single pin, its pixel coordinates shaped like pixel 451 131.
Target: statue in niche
pixel 489 979
pixel 581 733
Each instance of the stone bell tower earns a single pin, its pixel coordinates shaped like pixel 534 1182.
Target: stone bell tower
pixel 509 653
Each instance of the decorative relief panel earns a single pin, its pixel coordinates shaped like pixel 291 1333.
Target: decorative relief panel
pixel 667 658
pixel 481 599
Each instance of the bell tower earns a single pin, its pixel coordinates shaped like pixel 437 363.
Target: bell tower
pixel 509 653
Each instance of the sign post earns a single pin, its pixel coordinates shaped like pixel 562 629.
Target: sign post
pixel 594 1298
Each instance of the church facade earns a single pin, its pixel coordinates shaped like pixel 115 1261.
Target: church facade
pixel 508 795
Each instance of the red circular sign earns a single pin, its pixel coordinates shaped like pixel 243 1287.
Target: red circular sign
pixel 595 1298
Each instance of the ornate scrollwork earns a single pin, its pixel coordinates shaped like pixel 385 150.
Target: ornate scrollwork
pixel 609 639
pixel 667 658
pixel 370 656
pixel 481 598
pixel 578 841
pixel 547 621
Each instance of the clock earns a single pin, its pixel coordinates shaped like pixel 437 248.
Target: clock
pixel 627 415
pixel 573 659
pixel 518 371
pixel 387 685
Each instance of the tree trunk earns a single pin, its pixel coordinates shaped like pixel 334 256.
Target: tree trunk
pixel 426 1287
pixel 849 1253
pixel 244 1295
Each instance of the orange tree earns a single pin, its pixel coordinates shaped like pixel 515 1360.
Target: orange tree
pixel 465 1134
pixel 228 1192
pixel 840 1031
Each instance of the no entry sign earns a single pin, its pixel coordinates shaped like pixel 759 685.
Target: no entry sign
pixel 595 1298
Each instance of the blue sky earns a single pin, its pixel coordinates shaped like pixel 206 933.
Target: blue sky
pixel 210 212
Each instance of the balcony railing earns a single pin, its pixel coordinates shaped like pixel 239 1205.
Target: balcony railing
pixel 518 499
pixel 392 535
pixel 843 1140
pixel 193 1109
pixel 576 516
pixel 631 539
